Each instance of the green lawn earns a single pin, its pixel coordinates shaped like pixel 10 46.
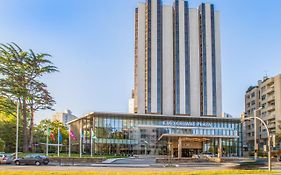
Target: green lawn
pixel 145 173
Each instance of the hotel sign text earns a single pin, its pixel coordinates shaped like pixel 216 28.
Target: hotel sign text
pixel 187 124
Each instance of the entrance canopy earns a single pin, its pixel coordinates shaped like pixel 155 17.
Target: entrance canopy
pixel 190 137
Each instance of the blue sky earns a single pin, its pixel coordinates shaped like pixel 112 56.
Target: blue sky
pixel 92 43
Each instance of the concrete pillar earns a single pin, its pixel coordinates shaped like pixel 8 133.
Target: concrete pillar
pixel 179 147
pixel 118 149
pixel 203 147
pixel 171 150
pixel 220 148
pixel 95 148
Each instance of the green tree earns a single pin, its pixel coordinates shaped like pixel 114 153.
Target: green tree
pixel 40 132
pixel 8 132
pixel 40 100
pixel 2 145
pixel 39 96
pixel 6 106
pixel 20 73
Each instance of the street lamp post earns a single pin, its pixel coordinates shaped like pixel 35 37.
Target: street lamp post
pixel 255 132
pixel 145 148
pixel 268 136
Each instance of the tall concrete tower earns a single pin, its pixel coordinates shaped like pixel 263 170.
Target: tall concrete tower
pixel 177 59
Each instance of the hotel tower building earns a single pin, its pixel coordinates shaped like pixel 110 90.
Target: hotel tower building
pixel 177 59
pixel 177 95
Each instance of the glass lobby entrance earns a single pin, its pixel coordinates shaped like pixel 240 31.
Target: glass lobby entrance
pixel 185 146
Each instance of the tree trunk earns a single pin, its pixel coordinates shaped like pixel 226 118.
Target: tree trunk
pixel 31 129
pixel 24 124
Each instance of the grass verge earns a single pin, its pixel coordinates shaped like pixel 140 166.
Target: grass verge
pixel 146 173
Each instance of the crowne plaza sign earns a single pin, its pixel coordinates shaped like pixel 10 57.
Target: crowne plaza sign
pixel 187 124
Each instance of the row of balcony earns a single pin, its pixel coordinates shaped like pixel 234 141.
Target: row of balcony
pixel 268 90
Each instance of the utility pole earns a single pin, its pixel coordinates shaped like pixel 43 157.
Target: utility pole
pixel 17 130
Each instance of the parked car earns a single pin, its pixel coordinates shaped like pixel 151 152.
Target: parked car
pixel 278 158
pixel 32 159
pixel 207 154
pixel 6 158
pixel 196 156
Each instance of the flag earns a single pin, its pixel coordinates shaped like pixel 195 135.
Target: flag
pixel 82 135
pixel 50 134
pixel 60 136
pixel 93 135
pixel 72 135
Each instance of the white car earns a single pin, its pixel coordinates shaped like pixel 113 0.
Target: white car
pixel 207 154
pixel 5 158
pixel 195 156
pixel 279 158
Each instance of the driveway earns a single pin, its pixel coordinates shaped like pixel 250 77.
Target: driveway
pixel 135 161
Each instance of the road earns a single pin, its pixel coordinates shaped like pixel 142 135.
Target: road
pixel 127 165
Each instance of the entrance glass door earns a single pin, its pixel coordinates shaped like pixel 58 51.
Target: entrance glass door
pixel 190 152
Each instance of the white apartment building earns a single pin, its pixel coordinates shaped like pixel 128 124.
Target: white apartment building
pixel 267 94
pixel 64 117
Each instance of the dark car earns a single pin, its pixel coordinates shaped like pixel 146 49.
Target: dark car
pixel 32 159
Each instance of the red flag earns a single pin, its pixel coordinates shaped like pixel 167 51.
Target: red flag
pixel 52 136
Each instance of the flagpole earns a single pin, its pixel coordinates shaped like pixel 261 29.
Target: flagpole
pixel 80 142
pixel 91 142
pixel 58 142
pixel 47 141
pixel 69 142
pixel 17 129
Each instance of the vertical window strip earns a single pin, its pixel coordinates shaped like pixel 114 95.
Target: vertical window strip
pixel 177 72
pixel 214 61
pixel 204 71
pixel 159 56
pixel 136 59
pixel 187 59
pixel 148 57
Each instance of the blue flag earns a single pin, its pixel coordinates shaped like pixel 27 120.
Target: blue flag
pixel 82 135
pixel 60 137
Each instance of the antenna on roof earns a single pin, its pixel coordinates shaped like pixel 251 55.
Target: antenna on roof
pixel 265 77
pixel 265 72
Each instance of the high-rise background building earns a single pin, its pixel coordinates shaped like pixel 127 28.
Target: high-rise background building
pixel 64 117
pixel 267 95
pixel 177 59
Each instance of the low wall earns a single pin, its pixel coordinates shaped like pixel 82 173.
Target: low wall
pixel 178 160
pixel 206 159
pixel 226 159
pixel 76 160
